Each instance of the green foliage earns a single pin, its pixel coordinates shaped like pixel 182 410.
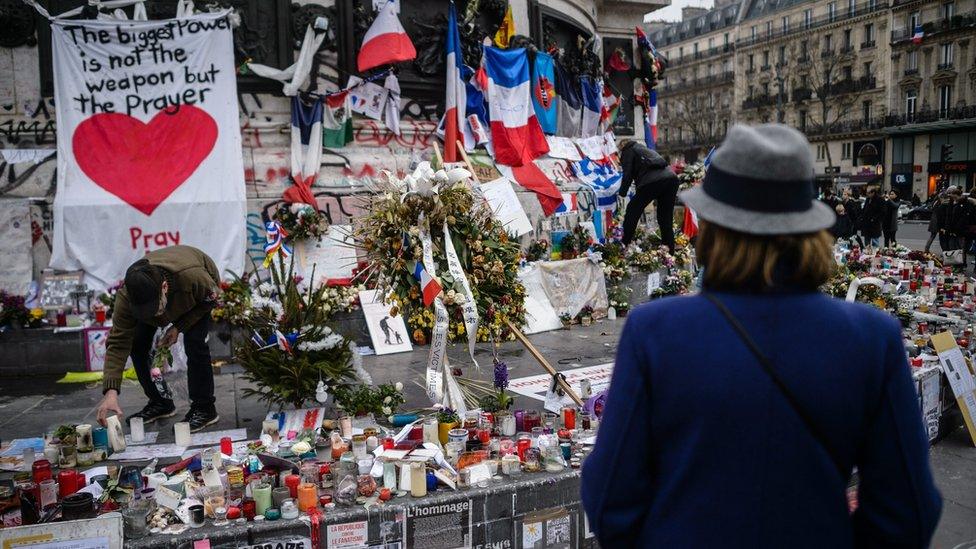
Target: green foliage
pixel 284 378
pixel 360 400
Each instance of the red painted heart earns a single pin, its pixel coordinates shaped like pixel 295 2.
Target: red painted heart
pixel 140 163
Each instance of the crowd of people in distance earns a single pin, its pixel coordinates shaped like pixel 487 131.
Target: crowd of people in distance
pixel 865 221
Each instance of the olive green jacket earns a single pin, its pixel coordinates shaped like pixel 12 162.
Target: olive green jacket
pixel 193 286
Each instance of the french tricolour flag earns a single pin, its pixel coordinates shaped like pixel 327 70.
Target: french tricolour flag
pixel 592 105
pixel 917 35
pixel 385 42
pixel 456 97
pixel 518 138
pixel 650 121
pixel 429 286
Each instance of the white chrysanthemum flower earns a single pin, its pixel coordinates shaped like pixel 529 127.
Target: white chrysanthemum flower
pixel 387 411
pixel 399 386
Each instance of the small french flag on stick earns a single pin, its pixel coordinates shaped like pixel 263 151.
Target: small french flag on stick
pixel 429 286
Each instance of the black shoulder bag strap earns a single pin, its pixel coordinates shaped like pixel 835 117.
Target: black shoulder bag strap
pixel 767 367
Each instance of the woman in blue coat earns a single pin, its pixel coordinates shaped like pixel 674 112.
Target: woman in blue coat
pixel 736 417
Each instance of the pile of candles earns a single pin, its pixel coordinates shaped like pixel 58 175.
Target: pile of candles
pixel 342 467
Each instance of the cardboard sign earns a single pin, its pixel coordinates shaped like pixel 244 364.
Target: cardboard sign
pixel 505 204
pixel 960 376
pixel 388 333
pixel 333 257
pixel 537 386
pixel 95 347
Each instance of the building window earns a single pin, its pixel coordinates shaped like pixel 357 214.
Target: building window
pixel 803 121
pixel 847 39
pixel 867 69
pixel 711 43
pixel 911 99
pixel 872 4
pixel 751 94
pixel 845 151
pixel 769 28
pixel 782 55
pixel 851 6
pixel 912 60
pixel 786 24
pixel 753 32
pixel 803 49
pixel 947 54
pixel 828 44
pixel 726 39
pixel 765 59
pixel 694 48
pixel 866 111
pixel 681 52
pixel 765 89
pixel 821 152
pixel 945 100
pixel 869 33
pixel 807 18
pixel 831 10
pixel 752 62
pixel 948 10
pixel 847 72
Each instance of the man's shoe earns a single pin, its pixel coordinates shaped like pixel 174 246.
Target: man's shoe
pixel 198 418
pixel 154 411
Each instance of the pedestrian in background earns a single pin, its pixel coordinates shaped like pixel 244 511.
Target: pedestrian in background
pixel 962 221
pixel 830 198
pixel 843 228
pixel 872 218
pixel 916 201
pixel 732 428
pixel 890 222
pixel 655 182
pixel 938 223
pixel 853 208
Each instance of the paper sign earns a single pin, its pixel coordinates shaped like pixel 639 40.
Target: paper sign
pixel 168 497
pixel 592 147
pixel 380 4
pixel 333 256
pixel 536 386
pixel 609 144
pixel 960 378
pixel 653 282
pixel 368 99
pixel 283 543
pixel 388 333
pixel 505 204
pixel 563 147
pixel 348 535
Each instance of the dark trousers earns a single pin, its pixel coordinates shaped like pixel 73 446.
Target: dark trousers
pixel 664 195
pixel 199 369
pixel 889 238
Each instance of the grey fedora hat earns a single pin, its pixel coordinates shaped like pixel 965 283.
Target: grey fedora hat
pixel 760 181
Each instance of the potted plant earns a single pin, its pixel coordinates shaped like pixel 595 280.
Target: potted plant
pixel 362 400
pixel 447 419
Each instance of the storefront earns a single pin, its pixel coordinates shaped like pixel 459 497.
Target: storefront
pixel 960 174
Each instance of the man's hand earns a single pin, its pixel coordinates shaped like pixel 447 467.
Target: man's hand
pixel 169 338
pixel 109 403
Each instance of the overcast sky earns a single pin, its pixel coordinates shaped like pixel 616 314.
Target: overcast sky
pixel 673 12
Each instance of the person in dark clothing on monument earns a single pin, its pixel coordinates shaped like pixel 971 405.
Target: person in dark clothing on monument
pixel 175 287
pixel 655 182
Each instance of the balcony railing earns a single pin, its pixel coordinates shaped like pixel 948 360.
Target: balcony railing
pixel 720 78
pixel 848 126
pixel 931 115
pixel 911 72
pixel 844 50
pixel 853 85
pixel 868 44
pixel 764 68
pixel 945 66
pixel 956 22
pixel 826 53
pixel 805 58
pixel 801 94
pixel 825 19
pixel 762 100
pixel 705 54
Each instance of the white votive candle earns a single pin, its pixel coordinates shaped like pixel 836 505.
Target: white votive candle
pixel 137 429
pixel 182 432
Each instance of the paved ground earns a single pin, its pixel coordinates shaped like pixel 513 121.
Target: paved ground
pixel 29 406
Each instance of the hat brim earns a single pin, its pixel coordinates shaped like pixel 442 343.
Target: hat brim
pixel 145 311
pixel 817 218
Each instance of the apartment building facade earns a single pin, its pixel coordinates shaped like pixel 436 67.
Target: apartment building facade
pixel 878 86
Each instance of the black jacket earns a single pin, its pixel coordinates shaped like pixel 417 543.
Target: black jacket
pixel 891 216
pixel 962 216
pixel 853 210
pixel 872 217
pixel 939 217
pixel 843 227
pixel 643 166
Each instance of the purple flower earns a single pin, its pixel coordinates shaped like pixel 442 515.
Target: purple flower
pixel 501 375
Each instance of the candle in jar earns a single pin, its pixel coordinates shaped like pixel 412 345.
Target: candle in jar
pixel 531 419
pixel 181 430
pixel 418 480
pixel 262 497
pixel 292 482
pixel 137 429
pixel 250 509
pixel 569 417
pixel 308 496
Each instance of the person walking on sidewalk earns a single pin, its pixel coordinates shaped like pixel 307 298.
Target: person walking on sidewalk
pixel 175 287
pixel 732 428
pixel 853 208
pixel 938 223
pixel 889 225
pixel 962 221
pixel 872 218
pixel 655 182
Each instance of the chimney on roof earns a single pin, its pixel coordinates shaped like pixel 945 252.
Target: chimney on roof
pixel 690 12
